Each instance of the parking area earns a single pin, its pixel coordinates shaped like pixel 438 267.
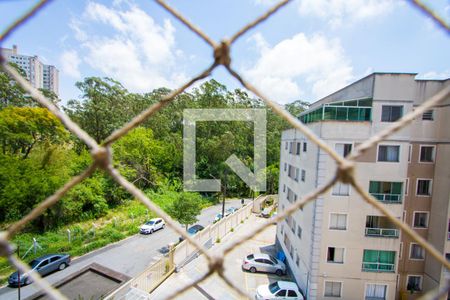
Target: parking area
pixel 214 287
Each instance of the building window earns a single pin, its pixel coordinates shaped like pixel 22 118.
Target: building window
pixel 286 146
pixel 338 221
pixel 294 225
pixel 296 174
pixel 400 251
pixel 305 146
pixel 298 148
pixel 448 230
pixel 406 186
pixel 426 154
pixel 284 188
pixel 420 220
pixel 303 175
pixel 423 187
pixel 416 252
pixel 414 283
pixel 340 189
pixel 297 260
pixel 332 289
pixel 343 149
pixel 290 147
pixel 375 292
pixel 335 255
pixel 385 191
pixel 390 113
pixel 409 153
pixel 389 153
pixel 378 261
pixel 285 167
pixel 428 115
pixel 299 232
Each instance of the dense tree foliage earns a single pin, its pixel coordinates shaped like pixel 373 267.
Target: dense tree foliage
pixel 38 155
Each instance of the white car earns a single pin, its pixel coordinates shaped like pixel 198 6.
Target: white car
pixel 152 225
pixel 279 290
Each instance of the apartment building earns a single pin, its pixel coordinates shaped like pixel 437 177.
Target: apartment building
pixel 341 247
pixel 38 74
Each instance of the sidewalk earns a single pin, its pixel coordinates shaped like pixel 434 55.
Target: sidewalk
pixel 214 287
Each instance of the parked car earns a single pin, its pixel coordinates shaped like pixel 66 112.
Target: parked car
pixel 193 230
pixel 152 225
pixel 230 210
pixel 279 290
pixel 263 263
pixel 265 213
pixel 218 217
pixel 44 265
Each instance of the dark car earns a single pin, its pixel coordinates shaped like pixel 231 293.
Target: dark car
pixel 44 265
pixel 193 230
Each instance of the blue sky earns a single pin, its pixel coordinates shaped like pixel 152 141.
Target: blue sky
pixel 307 50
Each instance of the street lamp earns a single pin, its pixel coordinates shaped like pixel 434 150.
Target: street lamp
pixel 224 192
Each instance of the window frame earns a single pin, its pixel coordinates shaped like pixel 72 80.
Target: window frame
pixel 303 175
pixel 430 192
pixel 429 112
pixel 376 283
pixel 433 155
pixel 390 113
pixel 414 275
pixel 410 251
pixel 340 290
pixel 388 145
pixel 336 262
pixel 336 228
pixel 414 218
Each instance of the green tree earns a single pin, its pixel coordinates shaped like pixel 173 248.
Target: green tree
pixel 104 106
pixel 296 107
pixel 11 93
pixel 22 128
pixel 186 208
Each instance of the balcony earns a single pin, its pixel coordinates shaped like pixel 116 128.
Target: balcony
pixel 380 226
pixel 378 261
pixel 388 198
pixel 378 267
pixel 382 232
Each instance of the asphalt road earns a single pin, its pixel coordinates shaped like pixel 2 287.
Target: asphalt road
pixel 130 256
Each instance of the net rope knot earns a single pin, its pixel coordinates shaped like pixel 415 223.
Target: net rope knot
pixel 102 157
pixel 346 171
pixel 216 263
pixel 222 53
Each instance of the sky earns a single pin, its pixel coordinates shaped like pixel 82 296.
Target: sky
pixel 307 50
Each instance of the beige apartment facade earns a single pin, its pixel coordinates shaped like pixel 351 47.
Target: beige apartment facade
pixel 341 247
pixel 40 75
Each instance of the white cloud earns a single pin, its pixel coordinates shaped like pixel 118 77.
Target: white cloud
pixel 131 47
pixel 300 65
pixel 434 75
pixel 70 62
pixel 338 12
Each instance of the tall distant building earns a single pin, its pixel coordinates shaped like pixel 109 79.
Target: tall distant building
pixel 341 247
pixel 38 74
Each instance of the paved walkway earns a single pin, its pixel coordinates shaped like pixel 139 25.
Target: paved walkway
pixel 214 287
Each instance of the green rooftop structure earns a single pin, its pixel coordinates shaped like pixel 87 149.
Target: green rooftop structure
pixel 349 110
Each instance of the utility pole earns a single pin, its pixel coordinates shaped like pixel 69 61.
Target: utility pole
pixel 18 274
pixel 224 192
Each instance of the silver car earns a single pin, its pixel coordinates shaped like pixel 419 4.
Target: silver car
pixel 43 265
pixel 263 263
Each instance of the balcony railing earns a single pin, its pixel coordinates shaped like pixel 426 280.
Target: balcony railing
pixel 382 232
pixel 377 267
pixel 388 198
